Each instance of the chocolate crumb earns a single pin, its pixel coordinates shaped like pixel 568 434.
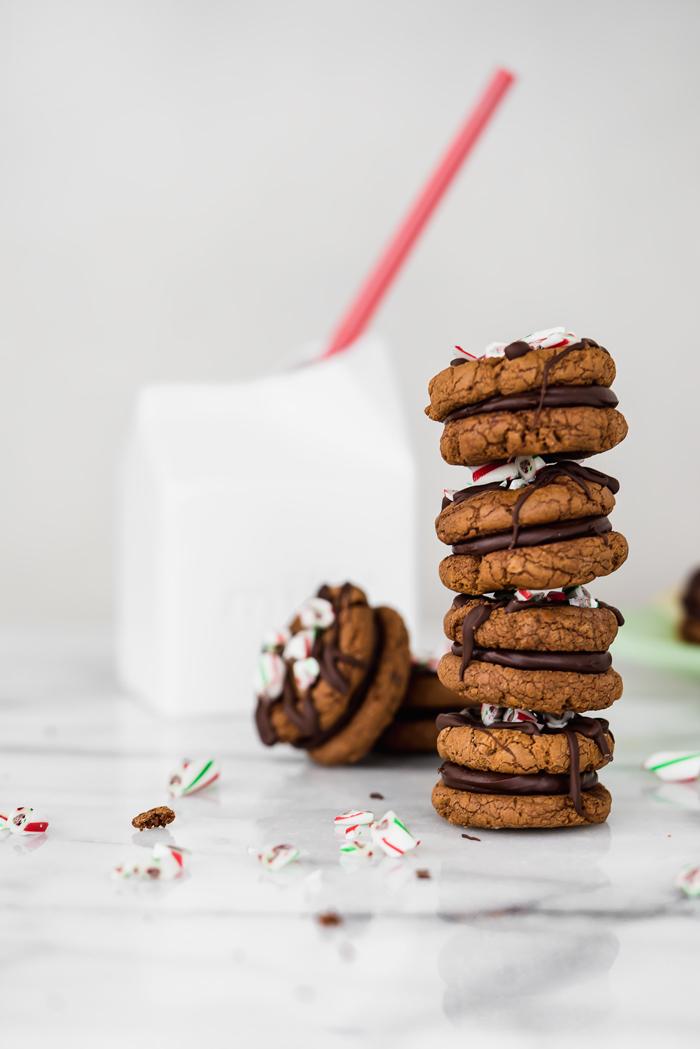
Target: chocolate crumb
pixel 374 794
pixel 159 817
pixel 470 837
pixel 422 873
pixel 329 918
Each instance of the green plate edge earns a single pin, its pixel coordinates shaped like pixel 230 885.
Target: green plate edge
pixel 649 637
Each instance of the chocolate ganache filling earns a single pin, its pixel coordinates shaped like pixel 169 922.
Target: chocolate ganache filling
pixel 478 615
pixel 537 535
pixel 592 728
pixel 478 782
pixel 569 662
pixel 554 397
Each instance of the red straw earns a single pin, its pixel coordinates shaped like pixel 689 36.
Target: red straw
pixel 375 287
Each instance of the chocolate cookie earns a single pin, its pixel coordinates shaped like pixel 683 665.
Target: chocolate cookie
pixel 553 401
pixel 470 382
pixel 561 492
pixel 531 626
pixel 333 681
pixel 413 729
pixel 554 691
pixel 510 749
pixel 690 625
pixel 566 563
pixel 577 431
pixel 468 809
pixel 382 697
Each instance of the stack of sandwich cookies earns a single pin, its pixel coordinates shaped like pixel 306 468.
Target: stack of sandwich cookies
pixel 529 645
pixel 333 680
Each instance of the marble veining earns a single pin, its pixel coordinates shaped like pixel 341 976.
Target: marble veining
pixel 519 939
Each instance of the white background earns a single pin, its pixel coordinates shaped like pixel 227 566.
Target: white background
pixel 189 189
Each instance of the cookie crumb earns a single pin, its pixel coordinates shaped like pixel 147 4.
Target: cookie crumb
pixel 158 817
pixel 422 873
pixel 470 837
pixel 376 794
pixel 329 918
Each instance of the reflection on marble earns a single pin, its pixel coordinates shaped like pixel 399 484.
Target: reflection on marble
pixel 518 939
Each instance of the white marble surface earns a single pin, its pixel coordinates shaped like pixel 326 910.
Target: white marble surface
pixel 521 939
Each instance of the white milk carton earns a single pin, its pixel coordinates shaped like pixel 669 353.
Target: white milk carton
pixel 238 501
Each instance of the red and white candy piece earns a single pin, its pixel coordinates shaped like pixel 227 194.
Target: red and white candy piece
pixel 356 849
pixel 23 820
pixel 580 598
pixel 300 646
pixel 552 721
pixel 674 766
pixel 353 818
pixel 317 613
pixel 306 672
pixel 490 713
pixel 274 857
pixel 275 639
pixel 171 860
pixel 192 776
pixel 390 834
pixel 549 338
pixel 514 714
pixel 688 880
pixel 269 676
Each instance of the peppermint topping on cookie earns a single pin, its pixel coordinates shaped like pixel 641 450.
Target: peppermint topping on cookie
pixel 282 649
pixel 547 339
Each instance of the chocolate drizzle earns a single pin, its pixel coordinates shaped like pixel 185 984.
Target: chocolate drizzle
pixel 567 662
pixel 537 535
pixel 592 728
pixel 327 652
pixel 553 397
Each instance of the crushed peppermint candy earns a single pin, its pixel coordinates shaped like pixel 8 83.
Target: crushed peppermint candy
pixel 390 835
pixel 273 858
pixel 548 339
pixel 688 880
pixel 282 650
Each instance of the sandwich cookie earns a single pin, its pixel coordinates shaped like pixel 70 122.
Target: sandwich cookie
pixel 547 393
pixel 333 681
pixel 545 652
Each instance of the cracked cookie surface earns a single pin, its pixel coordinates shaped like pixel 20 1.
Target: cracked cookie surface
pixel 490 512
pixel 475 381
pixel 502 435
pixel 551 628
pixel 552 691
pixel 573 562
pixel 526 754
pixel 488 811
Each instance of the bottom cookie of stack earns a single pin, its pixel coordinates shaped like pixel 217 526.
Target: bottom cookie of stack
pixel 532 772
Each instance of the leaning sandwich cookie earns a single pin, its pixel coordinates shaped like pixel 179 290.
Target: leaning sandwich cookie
pixel 333 680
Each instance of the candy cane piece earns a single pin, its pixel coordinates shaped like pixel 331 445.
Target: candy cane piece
pixel 353 817
pixel 674 766
pixel 192 776
pixel 392 836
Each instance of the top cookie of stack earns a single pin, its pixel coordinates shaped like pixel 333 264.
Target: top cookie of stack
pixel 546 394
